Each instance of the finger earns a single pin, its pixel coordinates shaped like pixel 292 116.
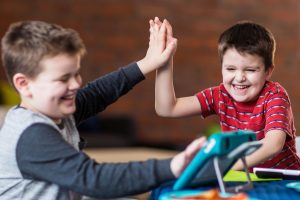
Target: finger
pixel 162 29
pixel 169 28
pixel 195 146
pixel 170 49
pixel 154 30
pixel 156 27
pixel 158 22
pixel 151 23
pixel 162 35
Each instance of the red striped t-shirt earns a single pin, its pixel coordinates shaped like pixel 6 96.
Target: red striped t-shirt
pixel 271 111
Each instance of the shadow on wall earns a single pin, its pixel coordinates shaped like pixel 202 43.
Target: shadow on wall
pixel 116 131
pixel 108 131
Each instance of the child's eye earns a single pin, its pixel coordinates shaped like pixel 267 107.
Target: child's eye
pixel 77 74
pixel 230 69
pixel 64 80
pixel 251 70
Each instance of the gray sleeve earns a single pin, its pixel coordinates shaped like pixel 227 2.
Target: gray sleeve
pixel 98 94
pixel 42 154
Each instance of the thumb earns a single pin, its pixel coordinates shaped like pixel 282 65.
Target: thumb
pixel 170 48
pixel 194 147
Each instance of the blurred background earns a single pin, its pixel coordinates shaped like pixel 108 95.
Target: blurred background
pixel 115 33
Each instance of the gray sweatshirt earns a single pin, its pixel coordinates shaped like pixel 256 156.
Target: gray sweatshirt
pixel 40 160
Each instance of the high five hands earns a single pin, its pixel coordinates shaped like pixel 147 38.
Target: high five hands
pixel 162 46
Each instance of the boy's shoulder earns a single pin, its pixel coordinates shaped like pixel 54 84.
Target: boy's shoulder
pixel 23 117
pixel 17 120
pixel 274 88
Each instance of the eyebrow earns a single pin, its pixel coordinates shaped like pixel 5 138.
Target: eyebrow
pixel 69 74
pixel 61 77
pixel 255 67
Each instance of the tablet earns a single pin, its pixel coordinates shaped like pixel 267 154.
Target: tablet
pixel 225 148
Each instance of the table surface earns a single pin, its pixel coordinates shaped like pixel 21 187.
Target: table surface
pixel 126 154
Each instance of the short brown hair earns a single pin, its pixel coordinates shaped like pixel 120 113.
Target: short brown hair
pixel 249 37
pixel 26 43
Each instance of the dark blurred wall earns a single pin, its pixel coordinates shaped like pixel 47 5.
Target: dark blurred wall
pixel 116 33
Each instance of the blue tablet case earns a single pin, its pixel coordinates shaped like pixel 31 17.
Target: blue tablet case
pixel 216 157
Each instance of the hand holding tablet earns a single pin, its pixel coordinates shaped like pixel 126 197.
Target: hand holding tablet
pixel 216 157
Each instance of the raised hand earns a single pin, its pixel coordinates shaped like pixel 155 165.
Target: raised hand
pixel 157 22
pixel 161 47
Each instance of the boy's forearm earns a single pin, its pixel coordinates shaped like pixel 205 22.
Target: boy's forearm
pixel 100 93
pixel 165 98
pixel 268 150
pixel 80 173
pixel 252 160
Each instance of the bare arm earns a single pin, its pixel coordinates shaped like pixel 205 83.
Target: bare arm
pixel 166 103
pixel 272 144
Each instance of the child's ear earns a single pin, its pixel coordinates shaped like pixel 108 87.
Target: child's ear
pixel 21 83
pixel 269 72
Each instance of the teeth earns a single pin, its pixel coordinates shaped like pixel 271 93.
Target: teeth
pixel 240 86
pixel 69 97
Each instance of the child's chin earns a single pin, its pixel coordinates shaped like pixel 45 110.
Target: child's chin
pixel 69 111
pixel 240 99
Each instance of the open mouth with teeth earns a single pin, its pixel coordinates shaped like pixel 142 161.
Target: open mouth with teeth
pixel 70 97
pixel 240 87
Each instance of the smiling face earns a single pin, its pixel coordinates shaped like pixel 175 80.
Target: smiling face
pixel 53 91
pixel 244 75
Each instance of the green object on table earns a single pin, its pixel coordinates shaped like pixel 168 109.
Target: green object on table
pixel 8 95
pixel 240 176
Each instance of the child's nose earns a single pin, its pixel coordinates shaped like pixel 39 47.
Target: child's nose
pixel 240 76
pixel 75 83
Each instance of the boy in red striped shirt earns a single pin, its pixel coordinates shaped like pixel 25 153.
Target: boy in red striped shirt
pixel 245 100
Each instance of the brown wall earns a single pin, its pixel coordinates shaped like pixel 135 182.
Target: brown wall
pixel 116 33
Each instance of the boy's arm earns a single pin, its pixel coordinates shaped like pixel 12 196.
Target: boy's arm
pixel 166 103
pixel 277 118
pixel 272 144
pixel 96 96
pixel 43 155
pixel 100 93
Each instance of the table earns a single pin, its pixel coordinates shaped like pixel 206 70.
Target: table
pixel 125 154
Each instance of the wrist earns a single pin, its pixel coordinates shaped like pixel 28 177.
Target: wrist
pixel 143 65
